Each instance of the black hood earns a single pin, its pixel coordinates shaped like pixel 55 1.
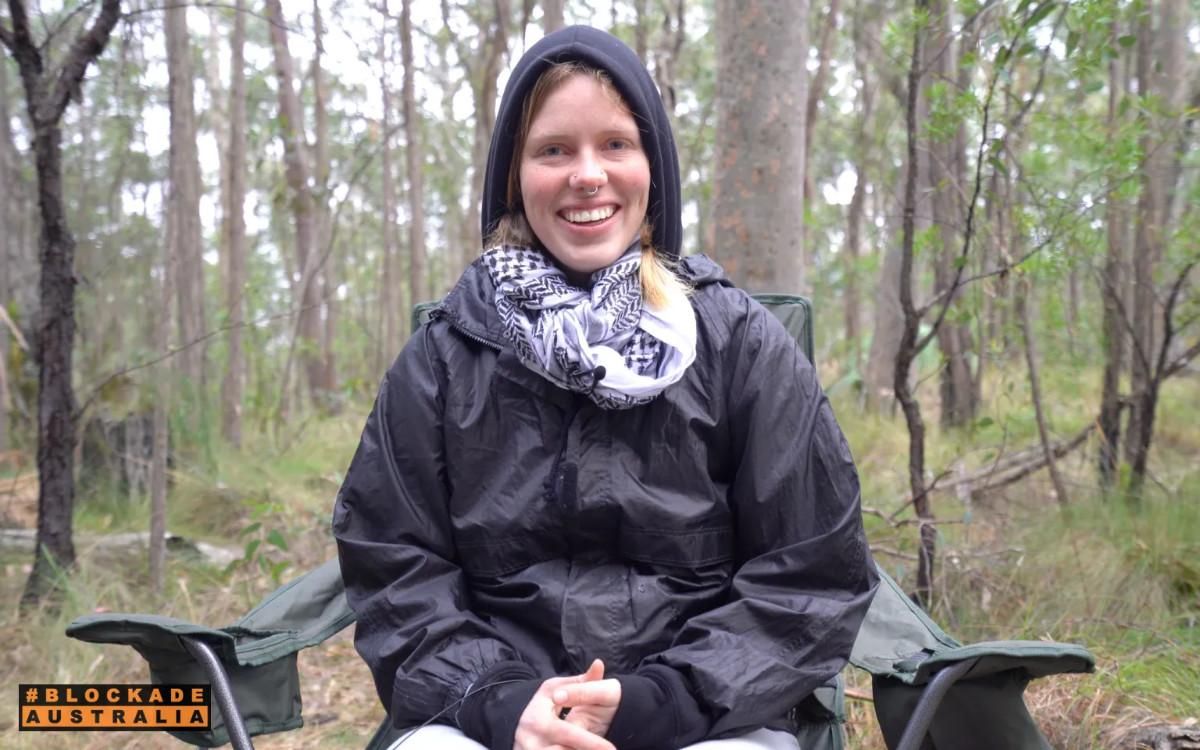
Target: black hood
pixel 602 50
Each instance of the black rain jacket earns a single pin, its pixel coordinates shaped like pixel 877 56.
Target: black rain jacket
pixel 489 517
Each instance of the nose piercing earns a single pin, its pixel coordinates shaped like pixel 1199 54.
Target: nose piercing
pixel 593 191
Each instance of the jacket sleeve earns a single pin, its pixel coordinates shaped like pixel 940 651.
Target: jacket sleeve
pixel 415 628
pixel 805 578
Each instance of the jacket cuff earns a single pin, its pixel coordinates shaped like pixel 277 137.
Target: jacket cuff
pixel 657 710
pixel 493 704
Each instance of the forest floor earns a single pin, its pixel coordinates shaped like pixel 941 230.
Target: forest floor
pixel 1121 578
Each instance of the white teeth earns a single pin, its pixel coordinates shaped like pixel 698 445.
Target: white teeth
pixel 595 214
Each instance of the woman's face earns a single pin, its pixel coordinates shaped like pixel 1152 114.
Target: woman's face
pixel 581 139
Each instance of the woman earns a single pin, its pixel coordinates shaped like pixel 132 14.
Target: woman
pixel 601 501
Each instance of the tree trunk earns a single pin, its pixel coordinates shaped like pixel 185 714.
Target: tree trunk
pixel 298 175
pixel 1035 390
pixel 183 201
pixel 758 207
pixel 389 341
pixel 944 182
pixel 817 89
pixel 8 240
pixel 326 281
pixel 1147 247
pixel 888 324
pixel 858 202
pixel 414 159
pixel 233 385
pixel 160 424
pixel 666 58
pixel 1113 329
pixel 552 15
pixel 47 94
pixel 494 45
pixel 909 348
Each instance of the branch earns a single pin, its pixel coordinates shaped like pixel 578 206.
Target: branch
pixel 1169 329
pixel 1182 360
pixel 84 50
pixel 226 6
pixel 20 41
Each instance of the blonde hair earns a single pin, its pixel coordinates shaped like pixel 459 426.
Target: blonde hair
pixel 661 286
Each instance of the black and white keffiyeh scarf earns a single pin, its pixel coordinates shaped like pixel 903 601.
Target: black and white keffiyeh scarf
pixel 602 342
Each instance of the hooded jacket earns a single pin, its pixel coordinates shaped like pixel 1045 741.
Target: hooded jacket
pixel 495 530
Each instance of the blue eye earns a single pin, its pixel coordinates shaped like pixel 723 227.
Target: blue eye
pixel 552 151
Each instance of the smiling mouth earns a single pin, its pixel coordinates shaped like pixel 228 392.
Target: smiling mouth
pixel 588 216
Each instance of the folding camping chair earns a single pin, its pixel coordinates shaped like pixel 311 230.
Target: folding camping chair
pixel 930 691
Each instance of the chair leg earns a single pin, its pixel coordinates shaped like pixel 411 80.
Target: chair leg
pixel 239 738
pixel 931 699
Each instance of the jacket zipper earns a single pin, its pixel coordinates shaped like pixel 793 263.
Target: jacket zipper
pixel 439 313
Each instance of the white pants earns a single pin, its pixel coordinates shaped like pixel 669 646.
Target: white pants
pixel 441 737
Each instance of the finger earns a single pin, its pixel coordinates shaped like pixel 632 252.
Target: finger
pixel 575 737
pixel 594 672
pixel 600 693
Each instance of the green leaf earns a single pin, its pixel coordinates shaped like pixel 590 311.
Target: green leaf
pixel 984 422
pixel 1043 10
pixel 276 539
pixel 250 529
pixel 1127 41
pixel 251 548
pixel 1002 56
pixel 1072 41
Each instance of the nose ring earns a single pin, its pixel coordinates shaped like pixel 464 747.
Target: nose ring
pixel 593 191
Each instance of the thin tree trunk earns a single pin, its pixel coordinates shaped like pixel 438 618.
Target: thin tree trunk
pixel 160 424
pixel 944 181
pixel 234 231
pixel 184 232
pixel 47 94
pixel 758 207
pixel 8 240
pixel 888 324
pixel 1147 249
pixel 908 342
pixel 414 158
pixel 1113 330
pixel 298 174
pixel 1035 390
pixel 816 89
pixel 326 281
pixel 389 304
pixel 858 202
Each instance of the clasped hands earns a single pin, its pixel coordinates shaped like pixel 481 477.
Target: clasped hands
pixel 590 702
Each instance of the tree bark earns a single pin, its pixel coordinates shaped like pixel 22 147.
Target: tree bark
pixel 888 318
pixel 47 95
pixel 415 161
pixel 389 341
pixel 8 240
pixel 1035 390
pixel 858 201
pixel 758 206
pixel 909 349
pixel 183 201
pixel 945 182
pixel 1112 282
pixel 298 175
pixel 552 15
pixel 326 281
pixel 233 230
pixel 494 46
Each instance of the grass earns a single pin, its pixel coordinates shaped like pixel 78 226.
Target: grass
pixel 1121 578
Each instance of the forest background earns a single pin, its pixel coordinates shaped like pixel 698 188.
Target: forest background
pixel 215 218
